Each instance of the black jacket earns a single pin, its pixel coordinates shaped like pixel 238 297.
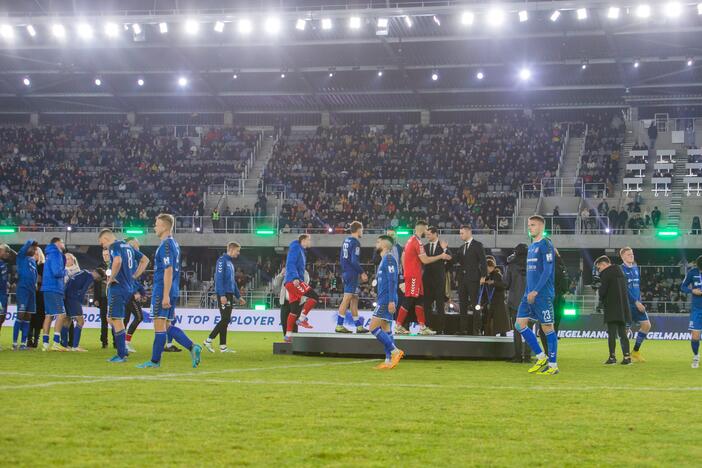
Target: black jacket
pixel 470 265
pixel 515 280
pixel 613 295
pixel 434 273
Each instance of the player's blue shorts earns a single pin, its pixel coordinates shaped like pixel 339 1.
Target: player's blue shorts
pixel 26 301
pixel 117 303
pixel 382 312
pixel 541 310
pixel 53 303
pixel 3 305
pixel 157 310
pixel 74 308
pixel 351 284
pixel 638 317
pixel 695 320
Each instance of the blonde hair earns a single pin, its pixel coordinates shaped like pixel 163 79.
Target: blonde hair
pixel 76 265
pixel 168 218
pixel 623 250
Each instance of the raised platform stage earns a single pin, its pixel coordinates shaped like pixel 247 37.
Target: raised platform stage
pixel 426 347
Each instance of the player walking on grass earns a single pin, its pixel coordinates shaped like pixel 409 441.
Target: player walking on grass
pixel 76 287
pixel 693 285
pixel 165 294
pixel 296 287
pixel 351 273
pixel 52 286
pixel 386 284
pixel 412 260
pixel 134 303
pixel 126 264
pixel 638 310
pixel 226 290
pixel 537 303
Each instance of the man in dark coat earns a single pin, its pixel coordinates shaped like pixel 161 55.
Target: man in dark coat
pixel 515 282
pixel 615 301
pixel 493 301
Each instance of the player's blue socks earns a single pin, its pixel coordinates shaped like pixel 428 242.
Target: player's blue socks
pixel 16 330
pixel 25 331
pixel 121 343
pixel 695 347
pixel 76 335
pixel 640 337
pixel 530 338
pixel 64 336
pixel 181 338
pixel 359 322
pixel 157 350
pixel 45 339
pixel 552 342
pixel 384 339
pixel 57 337
pixel 339 320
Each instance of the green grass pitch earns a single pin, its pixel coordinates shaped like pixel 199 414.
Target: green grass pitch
pixel 254 408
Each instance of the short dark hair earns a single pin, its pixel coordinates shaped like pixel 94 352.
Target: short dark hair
pixel 537 218
pixel 491 262
pixel 467 227
pixel 104 231
pixel 387 238
pixel 698 262
pixel 421 222
pixel 355 226
pixel 129 239
pixel 302 237
pixel 603 259
pixel 54 240
pixel 433 229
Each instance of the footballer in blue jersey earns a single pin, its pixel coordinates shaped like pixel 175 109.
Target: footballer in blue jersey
pixel 26 291
pixel 134 304
pixel 638 310
pixel 537 303
pixel 386 282
pixel 352 275
pixel 125 265
pixel 693 285
pixel 76 288
pixel 165 293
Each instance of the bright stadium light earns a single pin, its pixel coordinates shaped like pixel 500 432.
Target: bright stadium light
pixel 272 25
pixel 584 65
pixel 244 26
pixel 699 8
pixel 26 81
pixel 690 61
pixel 555 15
pixel 523 16
pixel 495 17
pixel 58 31
pixel 467 18
pixel 7 32
pixel 380 72
pixel 235 76
pixel 192 27
pixel 282 75
pixel 140 81
pixel 163 28
pixel 331 74
pixel 643 11
pixel 85 31
pixel 98 82
pixel 636 64
pixel 219 26
pixel 383 23
pixel 69 228
pixel 581 13
pixel 31 31
pixel 434 76
pixel 480 75
pixel 613 13
pixel 326 24
pixel 300 24
pixel 111 29
pixel 182 82
pixel 524 74
pixel 355 22
pixel 408 21
pixel 136 29
pixel 436 20
pixel 672 9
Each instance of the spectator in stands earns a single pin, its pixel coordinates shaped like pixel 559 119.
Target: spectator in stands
pixel 696 229
pixel 613 220
pixel 623 218
pixel 215 219
pixel 655 216
pixel 603 208
pixel 653 134
pixel 555 220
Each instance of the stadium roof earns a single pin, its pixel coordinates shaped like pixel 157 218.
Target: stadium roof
pixel 330 66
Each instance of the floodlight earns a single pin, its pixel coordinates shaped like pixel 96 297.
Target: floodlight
pixel 300 24
pixel 434 76
pixel 31 31
pixel 467 18
pixel 383 23
pixel 326 24
pixel 523 16
pixel 613 12
pixel 182 82
pixel 581 13
pixel 192 27
pixel 272 25
pixel 480 75
pixel 98 82
pixel 244 26
pixel 555 15
pixel 355 22
pixel 7 32
pixel 524 74
pixel 85 31
pixel 58 31
pixel 111 29
pixel 408 21
pixel 219 26
pixel 136 29
pixel 495 17
pixel 672 9
pixel 643 11
pixel 26 81
pixel 163 28
pixel 140 82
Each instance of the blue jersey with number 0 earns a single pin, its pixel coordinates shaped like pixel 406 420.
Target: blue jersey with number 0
pixel 124 278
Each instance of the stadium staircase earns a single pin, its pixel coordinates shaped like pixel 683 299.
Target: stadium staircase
pixel 677 190
pixel 571 160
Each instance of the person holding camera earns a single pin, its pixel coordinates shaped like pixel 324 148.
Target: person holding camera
pixel 614 298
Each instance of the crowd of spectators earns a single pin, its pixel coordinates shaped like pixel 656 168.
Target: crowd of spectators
pixel 112 175
pixel 449 175
pixel 602 151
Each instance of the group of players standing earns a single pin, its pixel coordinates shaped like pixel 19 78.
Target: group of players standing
pixel 63 289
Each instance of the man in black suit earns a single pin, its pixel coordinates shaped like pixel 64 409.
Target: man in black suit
pixel 471 269
pixel 434 279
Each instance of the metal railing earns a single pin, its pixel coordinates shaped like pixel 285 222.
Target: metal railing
pixel 557 225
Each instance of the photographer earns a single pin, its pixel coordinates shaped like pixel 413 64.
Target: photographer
pixel 614 299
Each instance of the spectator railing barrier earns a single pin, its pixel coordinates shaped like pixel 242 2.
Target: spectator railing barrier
pixel 562 187
pixel 563 225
